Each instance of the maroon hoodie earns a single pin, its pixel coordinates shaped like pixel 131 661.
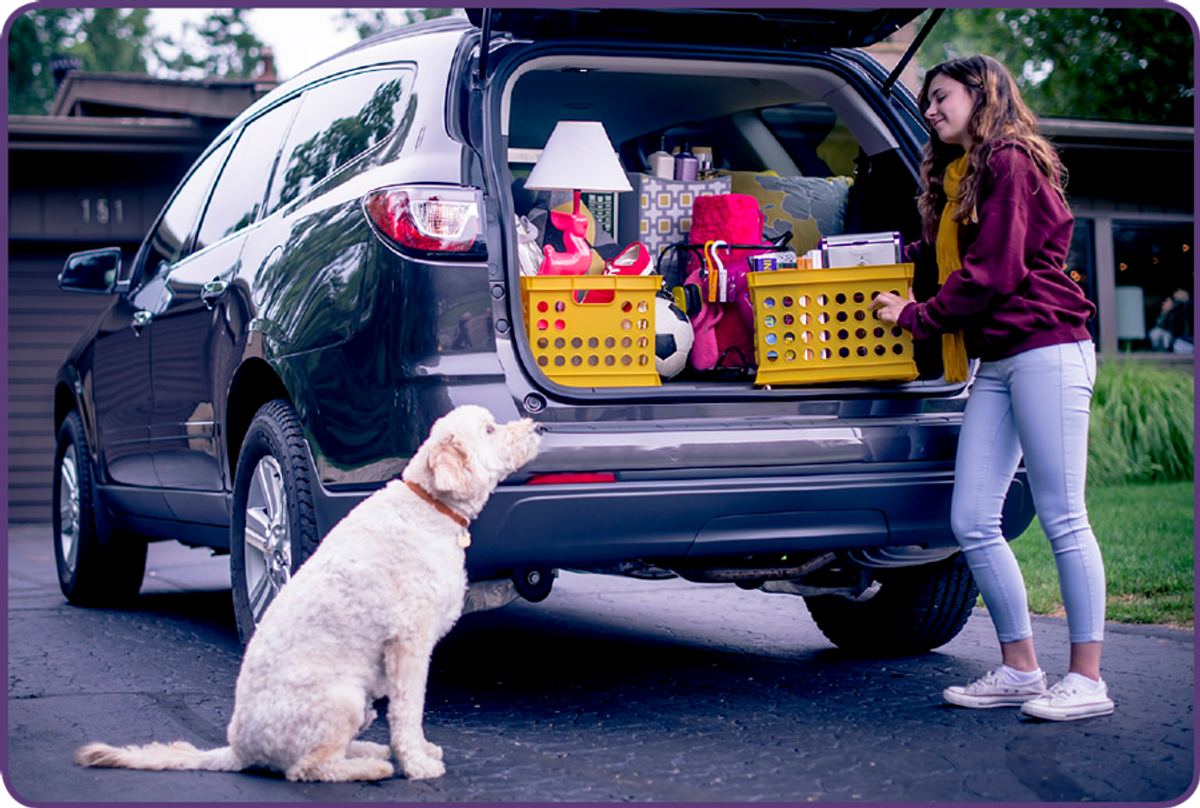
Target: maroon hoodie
pixel 1012 293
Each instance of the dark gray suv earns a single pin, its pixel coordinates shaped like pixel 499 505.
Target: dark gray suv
pixel 340 268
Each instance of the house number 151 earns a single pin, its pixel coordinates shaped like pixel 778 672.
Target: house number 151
pixel 102 211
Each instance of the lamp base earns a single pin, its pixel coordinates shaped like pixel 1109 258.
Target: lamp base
pixel 577 258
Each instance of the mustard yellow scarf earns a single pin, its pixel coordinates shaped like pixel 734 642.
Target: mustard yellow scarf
pixel 954 349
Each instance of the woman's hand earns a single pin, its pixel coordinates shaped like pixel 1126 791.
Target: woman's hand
pixel 887 306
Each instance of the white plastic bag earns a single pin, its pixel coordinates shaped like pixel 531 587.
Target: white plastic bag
pixel 529 252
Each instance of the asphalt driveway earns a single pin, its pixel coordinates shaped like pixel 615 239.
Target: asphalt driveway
pixel 610 690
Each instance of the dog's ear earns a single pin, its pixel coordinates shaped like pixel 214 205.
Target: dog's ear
pixel 449 462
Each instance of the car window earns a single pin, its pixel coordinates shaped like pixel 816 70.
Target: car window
pixel 337 122
pixel 242 186
pixel 169 240
pixel 815 138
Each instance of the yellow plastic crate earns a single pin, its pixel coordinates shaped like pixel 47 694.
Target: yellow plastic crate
pixel 813 326
pixel 593 330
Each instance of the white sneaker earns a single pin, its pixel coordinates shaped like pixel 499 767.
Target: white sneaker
pixel 1071 699
pixel 995 690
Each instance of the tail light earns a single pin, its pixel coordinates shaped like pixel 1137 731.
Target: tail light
pixel 429 220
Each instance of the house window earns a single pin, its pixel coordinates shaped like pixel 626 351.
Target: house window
pixel 1081 266
pixel 1155 284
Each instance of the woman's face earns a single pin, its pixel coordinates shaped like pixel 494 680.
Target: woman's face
pixel 949 112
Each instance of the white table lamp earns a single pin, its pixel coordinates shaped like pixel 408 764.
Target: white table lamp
pixel 578 157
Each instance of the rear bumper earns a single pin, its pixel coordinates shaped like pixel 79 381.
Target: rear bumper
pixel 598 525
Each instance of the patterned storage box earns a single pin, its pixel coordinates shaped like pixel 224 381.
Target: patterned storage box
pixel 813 326
pixel 583 339
pixel 662 209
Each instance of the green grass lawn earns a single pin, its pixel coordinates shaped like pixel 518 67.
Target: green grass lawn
pixel 1147 536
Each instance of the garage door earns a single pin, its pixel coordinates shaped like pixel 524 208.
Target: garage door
pixel 43 324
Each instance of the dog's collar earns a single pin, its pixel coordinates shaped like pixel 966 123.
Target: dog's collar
pixel 442 507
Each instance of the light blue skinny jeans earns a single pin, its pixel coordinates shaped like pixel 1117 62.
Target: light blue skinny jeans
pixel 1037 402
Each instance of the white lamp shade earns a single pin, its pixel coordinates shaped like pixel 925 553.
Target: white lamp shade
pixel 578 157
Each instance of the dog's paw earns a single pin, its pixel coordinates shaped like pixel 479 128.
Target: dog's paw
pixel 423 768
pixel 366 749
pixel 433 750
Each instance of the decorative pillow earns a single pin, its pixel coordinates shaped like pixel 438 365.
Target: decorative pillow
pixel 811 207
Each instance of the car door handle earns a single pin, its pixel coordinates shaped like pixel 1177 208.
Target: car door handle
pixel 141 319
pixel 212 291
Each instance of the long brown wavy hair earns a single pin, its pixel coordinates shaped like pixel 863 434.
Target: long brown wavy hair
pixel 1000 114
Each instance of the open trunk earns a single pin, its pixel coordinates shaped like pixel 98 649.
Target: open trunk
pixel 806 132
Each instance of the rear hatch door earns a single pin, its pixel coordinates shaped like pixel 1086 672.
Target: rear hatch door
pixel 767 28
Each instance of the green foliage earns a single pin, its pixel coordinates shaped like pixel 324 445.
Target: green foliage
pixel 1147 537
pixel 1125 64
pixel 1142 425
pixel 231 49
pixel 111 40
pixel 103 39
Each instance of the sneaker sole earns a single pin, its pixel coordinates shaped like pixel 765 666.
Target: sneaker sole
pixel 1078 713
pixel 981 703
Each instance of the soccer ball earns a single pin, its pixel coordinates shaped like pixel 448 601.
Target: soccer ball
pixel 673 336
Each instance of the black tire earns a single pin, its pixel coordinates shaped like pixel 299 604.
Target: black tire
pixel 92 570
pixel 915 610
pixel 272 494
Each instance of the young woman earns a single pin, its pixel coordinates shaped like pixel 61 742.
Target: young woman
pixel 996 220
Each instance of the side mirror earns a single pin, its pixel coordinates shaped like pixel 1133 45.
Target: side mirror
pixel 94 271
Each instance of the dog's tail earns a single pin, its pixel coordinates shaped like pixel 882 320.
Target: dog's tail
pixel 159 757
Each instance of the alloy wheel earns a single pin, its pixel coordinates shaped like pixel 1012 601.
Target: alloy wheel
pixel 69 510
pixel 268 546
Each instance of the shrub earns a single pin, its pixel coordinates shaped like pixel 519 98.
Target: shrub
pixel 1142 425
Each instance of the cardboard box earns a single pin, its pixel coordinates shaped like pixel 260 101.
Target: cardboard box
pixel 661 212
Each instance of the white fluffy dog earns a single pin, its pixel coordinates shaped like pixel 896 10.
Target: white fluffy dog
pixel 359 621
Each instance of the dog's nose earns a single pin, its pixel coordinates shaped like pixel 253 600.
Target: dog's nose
pixel 539 428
